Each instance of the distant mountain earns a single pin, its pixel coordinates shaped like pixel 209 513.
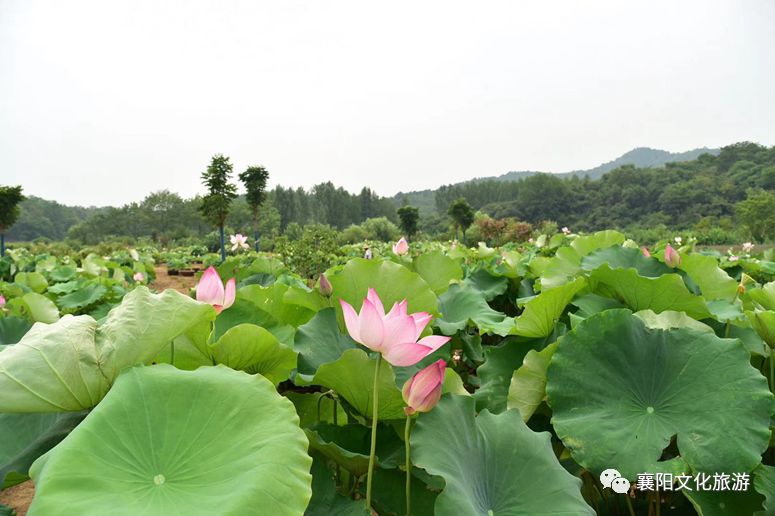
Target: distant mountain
pixel 641 157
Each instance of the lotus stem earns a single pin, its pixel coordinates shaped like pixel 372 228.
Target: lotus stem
pixel 374 420
pixel 407 446
pixel 629 504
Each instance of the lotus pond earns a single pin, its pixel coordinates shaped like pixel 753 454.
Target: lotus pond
pixel 580 374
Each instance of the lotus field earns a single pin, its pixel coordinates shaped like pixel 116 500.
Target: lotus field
pixel 575 374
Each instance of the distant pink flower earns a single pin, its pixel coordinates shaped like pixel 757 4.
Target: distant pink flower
pixel 530 240
pixel 672 258
pixel 565 230
pixel 238 241
pixel 211 290
pixel 747 247
pixel 678 240
pixel 733 258
pixel 423 390
pixel 138 276
pixel 2 300
pixel 645 251
pixel 395 334
pixel 401 247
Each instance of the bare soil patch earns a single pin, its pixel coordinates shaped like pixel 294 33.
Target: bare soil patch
pixel 18 497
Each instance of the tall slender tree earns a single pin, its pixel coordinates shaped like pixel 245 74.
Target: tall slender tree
pixel 220 193
pixel 462 214
pixel 254 179
pixel 408 217
pixel 10 197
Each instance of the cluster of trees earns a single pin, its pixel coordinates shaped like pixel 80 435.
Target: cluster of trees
pixel 326 204
pixel 704 191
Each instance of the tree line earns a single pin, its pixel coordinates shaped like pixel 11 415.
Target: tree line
pixel 725 191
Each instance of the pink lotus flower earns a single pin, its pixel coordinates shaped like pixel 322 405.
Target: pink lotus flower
pixel 423 390
pixel 211 290
pixel 733 258
pixel 238 241
pixel 565 230
pixel 747 247
pixel 401 247
pixel 325 286
pixel 2 300
pixel 138 276
pixel 645 251
pixel 672 258
pixel 395 334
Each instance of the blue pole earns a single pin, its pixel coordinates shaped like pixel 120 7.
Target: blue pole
pixel 223 246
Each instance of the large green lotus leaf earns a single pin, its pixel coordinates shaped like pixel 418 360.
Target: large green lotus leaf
pixel 271 300
pixel 763 321
pixel 54 367
pixel 65 288
pixel 25 437
pixel 558 270
pixel 83 297
pixel 620 390
pixel 461 304
pixel 326 501
pixel 438 270
pixel 352 377
pixel 12 329
pixel 143 324
pixel 764 484
pixel 726 311
pixel 667 292
pixel 253 349
pixel 320 341
pixel 713 281
pixel 40 308
pixel 489 286
pixel 495 373
pixel 62 273
pixel 166 441
pixel 669 319
pixel 309 299
pixel 618 257
pixel 393 283
pixel 724 503
pixel 590 304
pixel 543 311
pixel 492 464
pixel 764 296
pixel 584 245
pixel 245 311
pixel 528 383
pixel 35 281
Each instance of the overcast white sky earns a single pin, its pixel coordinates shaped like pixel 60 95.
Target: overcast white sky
pixel 104 101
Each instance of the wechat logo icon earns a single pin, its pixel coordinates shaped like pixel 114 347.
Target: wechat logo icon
pixel 613 479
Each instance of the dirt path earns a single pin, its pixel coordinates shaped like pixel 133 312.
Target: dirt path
pixel 18 497
pixel 164 281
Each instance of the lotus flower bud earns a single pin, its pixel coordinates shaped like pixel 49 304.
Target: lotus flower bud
pixel 325 286
pixel 672 258
pixel 422 391
pixel 211 290
pixel 138 276
pixel 645 251
pixel 2 301
pixel 401 247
